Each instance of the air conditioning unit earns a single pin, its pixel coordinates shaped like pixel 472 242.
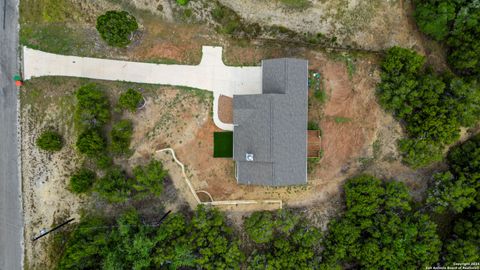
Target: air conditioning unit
pixel 249 157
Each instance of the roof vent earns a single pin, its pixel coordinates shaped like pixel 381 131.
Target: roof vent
pixel 249 157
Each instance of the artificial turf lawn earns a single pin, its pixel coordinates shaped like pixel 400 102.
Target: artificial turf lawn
pixel 223 144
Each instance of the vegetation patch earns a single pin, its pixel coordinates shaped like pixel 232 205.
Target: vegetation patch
pixel 433 107
pixel 121 135
pixel 82 180
pixel 297 4
pixel 459 187
pixel 316 86
pixel 116 27
pixel 380 219
pixel 222 144
pixel 50 141
pixel 131 100
pixel 179 242
pixel 457 24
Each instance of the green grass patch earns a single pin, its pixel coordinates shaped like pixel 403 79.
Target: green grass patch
pixel 55 38
pixel 223 144
pixel 299 4
pixel 312 125
pixel 341 120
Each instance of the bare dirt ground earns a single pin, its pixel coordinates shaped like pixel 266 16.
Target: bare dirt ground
pixel 225 109
pixel 47 200
pixel 360 24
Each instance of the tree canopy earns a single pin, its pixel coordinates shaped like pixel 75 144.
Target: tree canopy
pixel 121 135
pixel 93 107
pixel 115 27
pixel 283 240
pixel 130 100
pixel 459 187
pixel 380 230
pixel 91 143
pixel 50 141
pixel 82 180
pixel 457 23
pixel 149 179
pixel 464 245
pixel 433 107
pixel 115 186
pixel 203 241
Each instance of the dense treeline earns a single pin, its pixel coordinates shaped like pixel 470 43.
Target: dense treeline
pixel 203 241
pixel 433 107
pixel 380 229
pixel 457 24
pixel 459 187
pixel 282 240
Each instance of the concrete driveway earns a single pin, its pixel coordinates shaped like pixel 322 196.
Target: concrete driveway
pixel 211 74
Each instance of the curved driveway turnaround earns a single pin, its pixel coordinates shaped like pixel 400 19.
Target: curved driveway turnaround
pixel 211 74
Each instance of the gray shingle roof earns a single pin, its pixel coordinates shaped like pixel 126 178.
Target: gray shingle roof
pixel 273 126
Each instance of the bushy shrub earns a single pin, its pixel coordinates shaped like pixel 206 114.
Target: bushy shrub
pixel 121 136
pixel 182 2
pixel 115 27
pixel 50 141
pixel 93 108
pixel 130 100
pixel 115 186
pixel 82 180
pixel 149 178
pixel 91 143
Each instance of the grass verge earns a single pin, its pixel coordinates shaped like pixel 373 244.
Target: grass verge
pixel 223 144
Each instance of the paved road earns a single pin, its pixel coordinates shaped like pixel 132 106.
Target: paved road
pixel 11 224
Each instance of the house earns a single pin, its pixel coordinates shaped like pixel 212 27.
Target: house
pixel 270 129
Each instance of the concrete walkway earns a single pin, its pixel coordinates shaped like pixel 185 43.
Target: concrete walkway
pixel 211 74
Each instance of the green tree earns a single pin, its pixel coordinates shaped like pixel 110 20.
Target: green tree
pixel 130 100
pixel 456 22
pixel 85 246
pixel 284 240
pixel 115 186
pixel 420 152
pixel 131 245
pixel 149 179
pixel 50 141
pixel 450 193
pixel 435 20
pixel 432 107
pixel 458 188
pixel 93 107
pixel 387 234
pixel 464 246
pixel 82 180
pixel 121 135
pixel 173 249
pixel 182 2
pixel 115 27
pixel 260 227
pixel 91 143
pixel 213 241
